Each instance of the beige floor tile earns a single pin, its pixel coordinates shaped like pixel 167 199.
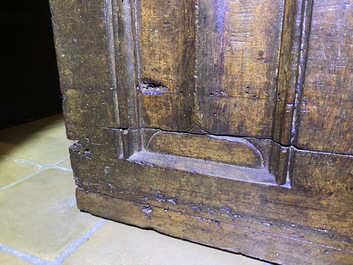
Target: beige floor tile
pixel 8 259
pixel 116 244
pixel 12 170
pixel 42 141
pixel 39 215
pixel 53 121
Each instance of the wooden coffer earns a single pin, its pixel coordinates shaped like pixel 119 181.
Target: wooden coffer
pixel 223 122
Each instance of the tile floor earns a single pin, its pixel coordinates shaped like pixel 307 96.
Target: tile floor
pixel 40 224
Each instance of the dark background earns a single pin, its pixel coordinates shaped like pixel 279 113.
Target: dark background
pixel 29 84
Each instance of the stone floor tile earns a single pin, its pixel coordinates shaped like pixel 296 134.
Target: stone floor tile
pixel 37 141
pixel 52 121
pixel 39 218
pixel 39 215
pixel 118 244
pixel 12 170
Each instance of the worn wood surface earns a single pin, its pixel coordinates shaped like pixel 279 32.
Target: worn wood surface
pixel 326 107
pixel 166 39
pixel 221 122
pixel 213 148
pixel 237 61
pixel 316 223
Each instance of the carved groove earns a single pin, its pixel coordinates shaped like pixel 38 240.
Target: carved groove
pixel 222 149
pixel 203 167
pixel 205 103
pixel 289 97
pixel 112 55
pixel 284 90
pixel 305 32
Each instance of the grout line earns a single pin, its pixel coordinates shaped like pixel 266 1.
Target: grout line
pixel 23 179
pixel 23 255
pixel 56 165
pixel 40 164
pixel 32 162
pixel 71 248
pixel 62 168
pixel 44 167
pixel 60 161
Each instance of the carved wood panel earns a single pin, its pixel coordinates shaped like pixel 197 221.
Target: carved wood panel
pixel 198 67
pixel 208 64
pixel 326 105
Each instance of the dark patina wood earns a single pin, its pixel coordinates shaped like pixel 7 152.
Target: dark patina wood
pixel 221 122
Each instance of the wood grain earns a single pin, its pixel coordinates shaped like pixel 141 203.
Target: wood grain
pixel 218 65
pixel 212 148
pixel 214 233
pixel 166 41
pixel 326 112
pixel 311 221
pixel 275 75
pixel 237 61
pixel 82 50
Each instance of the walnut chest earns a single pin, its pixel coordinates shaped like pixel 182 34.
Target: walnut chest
pixel 223 122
